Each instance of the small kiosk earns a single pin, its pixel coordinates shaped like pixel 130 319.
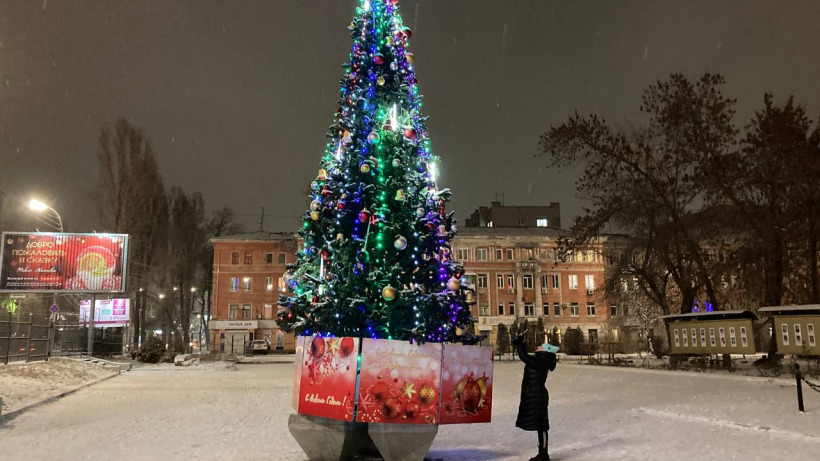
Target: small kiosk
pixel 795 328
pixel 706 333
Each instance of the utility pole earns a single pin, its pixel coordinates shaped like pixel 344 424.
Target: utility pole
pixel 262 220
pixel 91 308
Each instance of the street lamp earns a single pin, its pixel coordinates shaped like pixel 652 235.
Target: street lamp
pixel 37 205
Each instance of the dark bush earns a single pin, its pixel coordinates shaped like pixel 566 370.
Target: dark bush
pixel 659 347
pixel 151 351
pixel 573 338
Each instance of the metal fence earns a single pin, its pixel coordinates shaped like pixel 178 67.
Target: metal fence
pixel 23 340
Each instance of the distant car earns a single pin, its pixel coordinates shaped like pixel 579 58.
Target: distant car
pixel 260 346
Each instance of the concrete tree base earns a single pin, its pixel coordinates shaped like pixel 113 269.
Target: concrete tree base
pixel 324 439
pixel 403 442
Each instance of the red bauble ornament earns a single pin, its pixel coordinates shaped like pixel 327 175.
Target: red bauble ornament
pixel 411 410
pixel 410 133
pixel 364 215
pixel 317 348
pixel 346 347
pixel 379 391
pixel 471 396
pixel 340 206
pixel 392 408
pixel 378 59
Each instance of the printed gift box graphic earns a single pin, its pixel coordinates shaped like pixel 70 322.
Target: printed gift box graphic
pixel 466 384
pixel 399 382
pixel 327 384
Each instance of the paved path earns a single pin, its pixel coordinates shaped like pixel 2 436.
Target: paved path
pixel 596 414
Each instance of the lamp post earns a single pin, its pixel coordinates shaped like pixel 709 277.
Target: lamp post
pixel 37 205
pixel 193 292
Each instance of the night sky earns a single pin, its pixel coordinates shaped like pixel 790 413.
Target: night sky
pixel 237 95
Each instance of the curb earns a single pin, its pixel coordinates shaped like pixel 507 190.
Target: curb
pixel 6 417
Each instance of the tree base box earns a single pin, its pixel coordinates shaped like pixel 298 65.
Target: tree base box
pixel 324 439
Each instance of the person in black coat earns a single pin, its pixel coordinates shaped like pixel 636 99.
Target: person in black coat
pixel 533 408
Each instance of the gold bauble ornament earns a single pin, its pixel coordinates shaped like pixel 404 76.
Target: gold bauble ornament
pixel 314 215
pixel 381 81
pixel 389 293
pixel 453 284
pixel 411 58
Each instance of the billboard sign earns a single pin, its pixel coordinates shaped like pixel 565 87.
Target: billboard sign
pixel 108 313
pixel 48 262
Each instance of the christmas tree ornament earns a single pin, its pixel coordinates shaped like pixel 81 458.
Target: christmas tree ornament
pixel 315 215
pixel 453 284
pixel 389 293
pixel 471 396
pixel 411 58
pixel 380 81
pixel 322 176
pixel 394 66
pixel 315 205
pixel 396 163
pixel 378 60
pixel 365 168
pixel 419 212
pixel 340 237
pixel 363 257
pixel 400 243
pixel 400 195
pixel 340 206
pixel 373 138
pixel 364 216
pixel 410 133
pixel 411 410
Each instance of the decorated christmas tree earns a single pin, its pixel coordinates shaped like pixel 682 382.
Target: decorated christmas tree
pixel 376 259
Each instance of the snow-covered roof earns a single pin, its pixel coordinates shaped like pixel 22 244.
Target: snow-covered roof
pixel 794 309
pixel 259 236
pixel 714 315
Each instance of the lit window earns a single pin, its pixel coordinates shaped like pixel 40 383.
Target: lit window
pixel 246 311
pixel 247 284
pixel 484 310
pixel 589 282
pixel 232 309
pixel 573 282
pixel 234 284
pixel 541 222
pixel 269 283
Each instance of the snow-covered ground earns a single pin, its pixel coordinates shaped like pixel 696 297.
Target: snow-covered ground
pixel 22 384
pixel 597 413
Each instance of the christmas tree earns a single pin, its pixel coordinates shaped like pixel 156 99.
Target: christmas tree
pixel 376 260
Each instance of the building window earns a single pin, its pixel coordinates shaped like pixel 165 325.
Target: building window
pixel 556 309
pixel 694 338
pixel 463 254
pixel 248 257
pixel 481 254
pixel 685 338
pixel 810 334
pixel 712 341
pixel 733 341
pixel 232 309
pixel 282 258
pixel 511 310
pixel 482 280
pixel 542 222
pixel 573 282
pixel 527 280
pixel 510 256
pixel 744 341
pixel 593 335
pixel 613 310
pixel 589 282
pixel 484 309
pixel 798 335
pixel 246 311
pixel 554 254
pixel 529 310
pixel 573 310
pixel 545 279
pixel 269 283
pixel 234 284
pixel 268 258
pixel 280 340
pixel 543 255
pixel 500 309
pixel 676 334
pixel 722 334
pixel 471 280
pixel 268 311
pixel 499 281
pixel 499 254
pixel 784 329
pixel 546 309
pixel 247 284
pixel 703 337
pixel 556 281
pixel 510 281
pixel 590 309
pixel 235 257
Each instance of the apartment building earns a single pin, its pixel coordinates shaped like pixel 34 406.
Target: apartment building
pixel 248 270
